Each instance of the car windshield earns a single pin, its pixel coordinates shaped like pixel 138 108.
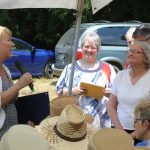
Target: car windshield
pixel 21 46
pixel 68 37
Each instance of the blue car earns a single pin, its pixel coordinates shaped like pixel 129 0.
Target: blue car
pixel 36 61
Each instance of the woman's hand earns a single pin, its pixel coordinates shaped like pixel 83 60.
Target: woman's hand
pixel 7 95
pixel 24 80
pixel 77 91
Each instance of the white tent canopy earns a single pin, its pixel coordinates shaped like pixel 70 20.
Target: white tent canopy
pixel 69 4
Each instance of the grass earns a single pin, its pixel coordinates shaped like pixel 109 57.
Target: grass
pixel 41 85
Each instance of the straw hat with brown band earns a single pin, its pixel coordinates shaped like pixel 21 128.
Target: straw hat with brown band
pixel 58 104
pixel 69 131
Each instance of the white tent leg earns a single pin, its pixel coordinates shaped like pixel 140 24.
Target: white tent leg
pixel 78 21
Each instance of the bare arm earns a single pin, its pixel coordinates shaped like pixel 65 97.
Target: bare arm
pixel 6 96
pixel 112 111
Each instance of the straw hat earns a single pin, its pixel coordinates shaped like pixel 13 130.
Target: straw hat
pixel 69 131
pixel 57 104
pixel 23 137
pixel 110 139
pixel 140 148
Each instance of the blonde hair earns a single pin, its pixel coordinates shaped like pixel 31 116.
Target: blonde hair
pixel 143 108
pixel 4 31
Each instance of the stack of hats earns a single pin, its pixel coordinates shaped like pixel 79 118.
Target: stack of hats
pixel 58 104
pixel 69 131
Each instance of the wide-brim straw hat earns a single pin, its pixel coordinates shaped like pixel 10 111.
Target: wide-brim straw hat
pixel 110 139
pixel 140 148
pixel 23 137
pixel 57 104
pixel 69 131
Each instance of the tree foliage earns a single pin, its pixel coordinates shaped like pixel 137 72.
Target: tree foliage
pixel 124 10
pixel 44 27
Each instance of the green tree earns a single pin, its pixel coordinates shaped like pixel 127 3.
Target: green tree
pixel 44 27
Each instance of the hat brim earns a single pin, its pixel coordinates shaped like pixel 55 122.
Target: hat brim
pixel 46 129
pixel 111 139
pixel 141 148
pixel 23 137
pixel 59 103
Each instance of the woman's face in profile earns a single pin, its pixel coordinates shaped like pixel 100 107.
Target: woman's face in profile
pixel 136 54
pixel 89 51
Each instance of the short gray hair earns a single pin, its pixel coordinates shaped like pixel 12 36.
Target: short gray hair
pixel 146 48
pixel 92 36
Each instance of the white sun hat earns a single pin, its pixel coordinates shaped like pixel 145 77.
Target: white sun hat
pixel 23 137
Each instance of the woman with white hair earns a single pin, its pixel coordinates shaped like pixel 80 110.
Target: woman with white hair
pixel 92 71
pixel 130 87
pixel 8 90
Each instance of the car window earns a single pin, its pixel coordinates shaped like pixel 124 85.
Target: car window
pixel 21 46
pixel 113 36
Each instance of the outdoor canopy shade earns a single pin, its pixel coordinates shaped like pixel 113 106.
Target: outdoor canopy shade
pixel 69 4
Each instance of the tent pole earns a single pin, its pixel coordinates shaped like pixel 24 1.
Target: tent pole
pixel 78 22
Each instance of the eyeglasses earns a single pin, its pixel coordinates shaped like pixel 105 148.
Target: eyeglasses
pixel 134 51
pixel 137 119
